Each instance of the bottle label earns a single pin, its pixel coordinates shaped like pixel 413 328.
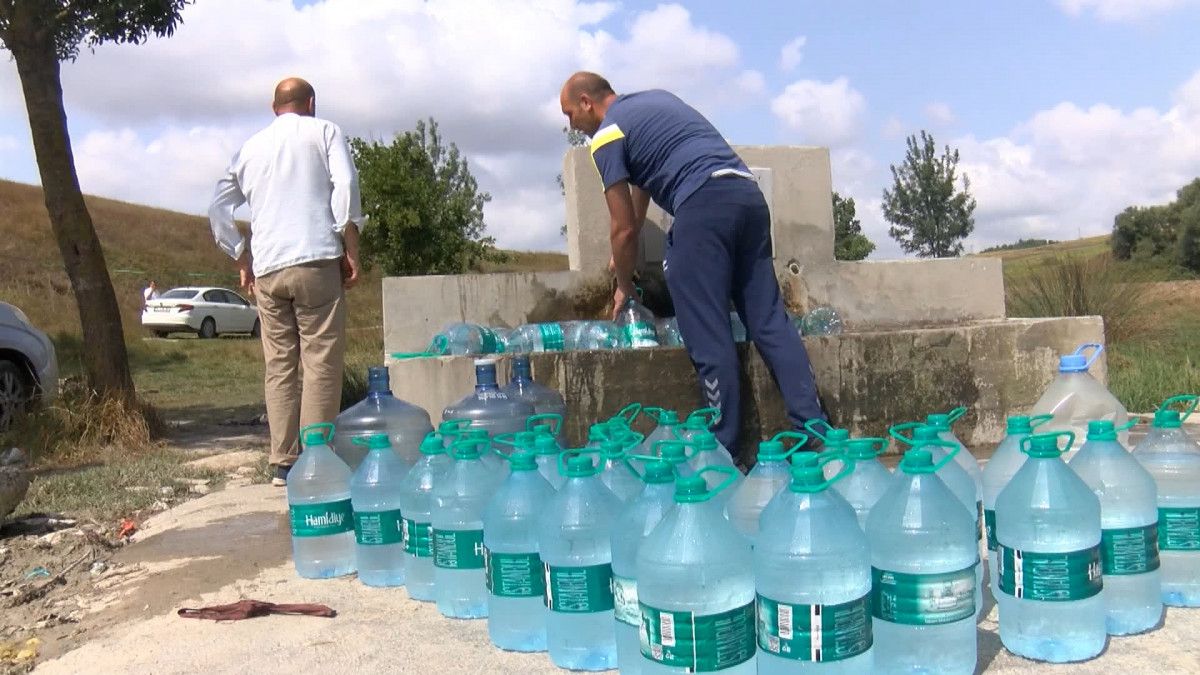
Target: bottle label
pixel 698 644
pixel 514 575
pixel 418 538
pixel 640 334
pixel 1130 550
pixel 1179 529
pixel 923 599
pixel 552 337
pixel 815 632
pixel 1050 577
pixel 625 601
pixel 458 549
pixel 579 590
pixel 489 342
pixel 321 520
pixel 378 528
pixel 989 525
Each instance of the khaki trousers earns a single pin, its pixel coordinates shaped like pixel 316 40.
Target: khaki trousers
pixel 302 312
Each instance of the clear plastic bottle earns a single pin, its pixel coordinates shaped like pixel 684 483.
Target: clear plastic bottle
pixel 823 320
pixel 375 493
pixel 574 537
pixel 1129 538
pixel 923 560
pixel 547 450
pixel 668 332
pixel 405 424
pixel 1075 398
pixel 812 572
pixel 1051 598
pixel 488 408
pixel 459 498
pixel 513 568
pixel 666 425
pixel 594 335
pixel 1174 460
pixel 633 523
pixel 833 438
pixel 696 586
pixel 318 494
pixel 416 504
pixel 998 471
pixel 619 474
pixel 770 474
pixel 943 422
pixel 547 403
pixel 868 480
pixel 636 324
pixel 536 337
pixel 708 451
pixel 703 419
pixel 467 339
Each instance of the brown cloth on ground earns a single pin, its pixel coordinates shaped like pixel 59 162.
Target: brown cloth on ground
pixel 248 609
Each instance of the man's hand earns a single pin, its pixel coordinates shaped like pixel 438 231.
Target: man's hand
pixel 350 266
pixel 246 274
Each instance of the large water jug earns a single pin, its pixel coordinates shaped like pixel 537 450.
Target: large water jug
pixel 943 422
pixel 416 505
pixel 998 471
pixel 923 560
pixel 380 413
pixel 513 568
pixel 546 449
pixel 666 426
pixel 1174 460
pixel 696 585
pixel 318 494
pixel 467 339
pixel 703 419
pixel 633 523
pixel 637 325
pixel 868 479
pixel 673 453
pixel 619 473
pixel 536 337
pixel 545 401
pixel 832 438
pixel 459 498
pixel 488 408
pixel 574 537
pixel 1075 398
pixel 770 473
pixel 812 572
pixel 707 451
pixel 375 493
pixel 1051 597
pixel 1129 535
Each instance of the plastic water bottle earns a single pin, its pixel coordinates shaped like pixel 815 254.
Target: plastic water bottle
pixel 996 474
pixel 468 339
pixel 318 494
pixel 594 335
pixel 835 439
pixel 1075 398
pixel 942 422
pixel 737 327
pixel 460 584
pixel 536 337
pixel 708 451
pixel 923 560
pixel 666 424
pixel 668 332
pixel 548 405
pixel 812 571
pixel 488 408
pixel 1174 460
pixel 1051 597
pixel 513 568
pixel 673 453
pixel 823 320
pixel 696 586
pixel 375 494
pixel 633 523
pixel 868 479
pixel 703 419
pixel 405 424
pixel 416 504
pixel 1129 538
pixel 619 474
pixel 770 474
pixel 574 539
pixel 637 325
pixel 546 449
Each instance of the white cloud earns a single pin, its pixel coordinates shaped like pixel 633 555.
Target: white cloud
pixel 1067 171
pixel 8 144
pixel 893 129
pixel 939 114
pixel 823 113
pixel 1121 10
pixel 792 54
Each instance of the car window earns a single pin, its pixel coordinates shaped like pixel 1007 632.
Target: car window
pixel 179 294
pixel 214 296
pixel 235 299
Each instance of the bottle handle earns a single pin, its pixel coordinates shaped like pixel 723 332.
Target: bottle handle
pixel 323 426
pixel 811 425
pixel 1190 398
pixel 629 413
pixel 1027 442
pixel 555 420
pixel 895 430
pixel 731 476
pixel 1097 350
pixel 826 458
pixel 1038 420
pixel 956 414
pixel 800 438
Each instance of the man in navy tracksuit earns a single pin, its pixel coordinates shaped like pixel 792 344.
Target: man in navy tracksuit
pixel 650 144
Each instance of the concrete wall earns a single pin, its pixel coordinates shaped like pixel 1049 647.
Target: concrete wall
pixel 867 380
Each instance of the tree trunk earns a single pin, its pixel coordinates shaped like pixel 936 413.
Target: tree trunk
pixel 104 354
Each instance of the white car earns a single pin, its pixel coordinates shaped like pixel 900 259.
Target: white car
pixel 28 364
pixel 205 311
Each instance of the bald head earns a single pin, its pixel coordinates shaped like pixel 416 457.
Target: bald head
pixel 294 95
pixel 585 98
pixel 591 84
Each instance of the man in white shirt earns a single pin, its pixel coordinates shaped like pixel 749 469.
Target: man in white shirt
pixel 298 177
pixel 149 293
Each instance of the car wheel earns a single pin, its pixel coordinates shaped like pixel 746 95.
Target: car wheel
pixel 208 328
pixel 257 330
pixel 161 333
pixel 15 392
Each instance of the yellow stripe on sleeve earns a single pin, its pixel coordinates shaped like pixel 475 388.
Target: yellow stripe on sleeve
pixel 605 136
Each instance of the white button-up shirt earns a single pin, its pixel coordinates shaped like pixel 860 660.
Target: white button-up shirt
pixel 298 177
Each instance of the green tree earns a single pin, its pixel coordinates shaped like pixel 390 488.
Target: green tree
pixel 424 208
pixel 41 34
pixel 1188 248
pixel 930 216
pixel 849 243
pixel 1144 232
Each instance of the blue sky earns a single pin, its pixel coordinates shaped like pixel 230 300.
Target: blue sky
pixel 1064 111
